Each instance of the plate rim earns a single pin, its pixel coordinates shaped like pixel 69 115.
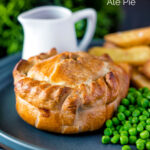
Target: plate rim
pixel 19 142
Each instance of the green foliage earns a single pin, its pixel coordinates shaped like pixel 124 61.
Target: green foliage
pixel 11 33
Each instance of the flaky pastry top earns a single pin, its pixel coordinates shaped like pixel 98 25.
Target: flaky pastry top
pixel 70 83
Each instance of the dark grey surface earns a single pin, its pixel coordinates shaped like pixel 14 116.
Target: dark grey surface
pixel 13 125
pixel 18 135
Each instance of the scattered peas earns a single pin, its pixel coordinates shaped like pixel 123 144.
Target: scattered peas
pixel 132 89
pixel 142 118
pixel 127 113
pixel 140 128
pixel 121 108
pixel 127 126
pixel 136 113
pixel 105 139
pixel 121 116
pixel 109 123
pixel 132 139
pixel 123 140
pixel 144 103
pixel 148 121
pixel 115 133
pixel 131 122
pixel 148 145
pixel 145 113
pixel 140 146
pixel 118 127
pixel 132 131
pixel 108 132
pixel 144 134
pixel 125 102
pixel 115 139
pixel 126 147
pixel 131 108
pixel 115 121
pixel 143 123
pixel 135 120
pixel 148 128
pixel 124 133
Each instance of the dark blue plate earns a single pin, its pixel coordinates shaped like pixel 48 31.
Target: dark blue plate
pixel 17 134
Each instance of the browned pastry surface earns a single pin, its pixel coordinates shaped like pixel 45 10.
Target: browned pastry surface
pixel 68 92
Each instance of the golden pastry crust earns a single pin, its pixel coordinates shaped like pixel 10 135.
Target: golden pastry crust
pixel 68 92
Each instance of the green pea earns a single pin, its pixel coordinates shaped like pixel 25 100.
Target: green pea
pixel 127 126
pixel 121 116
pixel 124 133
pixel 140 146
pixel 115 121
pixel 115 133
pixel 142 118
pixel 125 102
pixel 132 131
pixel 109 123
pixel 145 113
pixel 131 108
pixel 139 101
pixel 144 134
pixel 145 90
pixel 132 89
pixel 138 94
pixel 143 123
pixel 148 110
pixel 135 120
pixel 126 147
pixel 134 125
pixel 127 113
pixel 140 128
pixel 136 113
pixel 141 90
pixel 147 140
pixel 123 140
pixel 144 103
pixel 118 127
pixel 148 128
pixel 148 95
pixel 130 118
pixel 121 129
pixel 123 122
pixel 130 97
pixel 148 121
pixel 141 109
pixel 121 108
pixel 128 122
pixel 140 140
pixel 115 139
pixel 108 132
pixel 113 129
pixel 105 139
pixel 132 139
pixel 148 145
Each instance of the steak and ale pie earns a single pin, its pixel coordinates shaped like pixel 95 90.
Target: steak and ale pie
pixel 70 92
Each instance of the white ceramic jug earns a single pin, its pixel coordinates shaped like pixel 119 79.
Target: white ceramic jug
pixel 52 26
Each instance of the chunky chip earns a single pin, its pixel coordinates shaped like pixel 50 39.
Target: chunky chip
pixel 130 38
pixel 135 56
pixel 139 80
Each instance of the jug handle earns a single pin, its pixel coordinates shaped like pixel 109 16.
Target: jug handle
pixel 90 15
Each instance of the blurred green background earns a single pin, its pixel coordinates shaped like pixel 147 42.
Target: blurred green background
pixel 11 33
